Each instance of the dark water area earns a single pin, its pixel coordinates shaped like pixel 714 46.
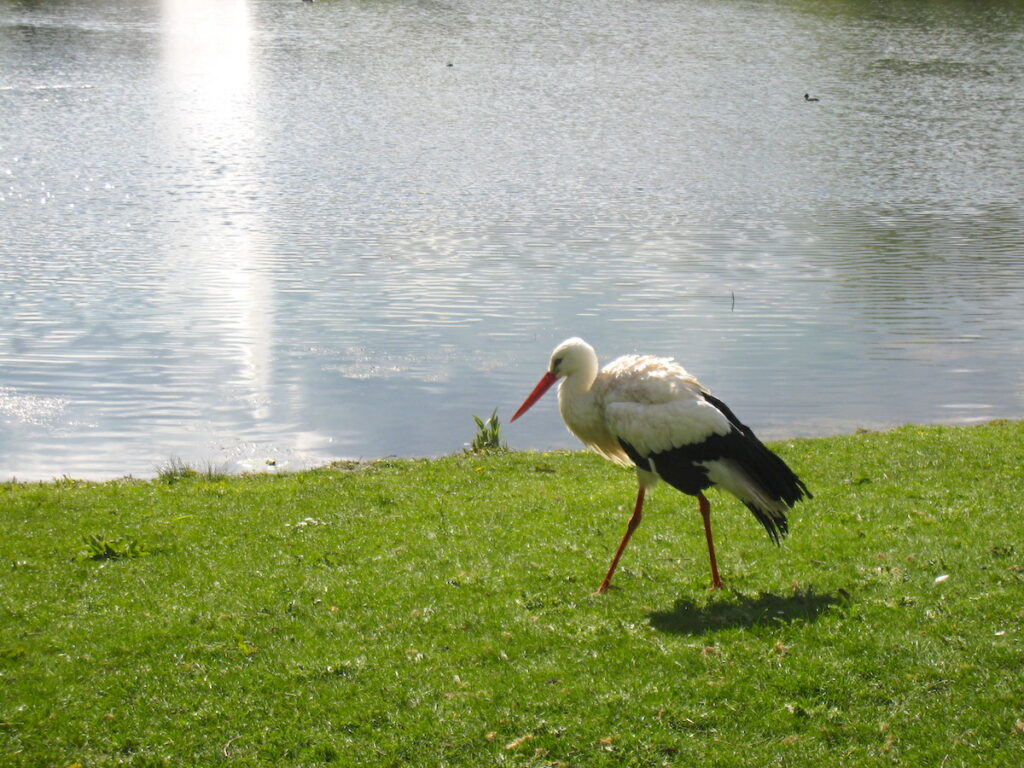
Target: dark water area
pixel 234 232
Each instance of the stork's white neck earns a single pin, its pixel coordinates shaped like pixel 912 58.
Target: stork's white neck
pixel 577 404
pixel 580 380
pixel 581 398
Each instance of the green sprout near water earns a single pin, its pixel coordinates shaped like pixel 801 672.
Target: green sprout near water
pixel 488 435
pixel 177 469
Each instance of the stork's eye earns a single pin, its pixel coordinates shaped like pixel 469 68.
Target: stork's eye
pixel 557 362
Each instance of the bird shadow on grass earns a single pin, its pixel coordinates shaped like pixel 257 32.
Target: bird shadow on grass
pixel 690 618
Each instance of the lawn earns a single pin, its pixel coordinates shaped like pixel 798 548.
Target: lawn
pixel 441 613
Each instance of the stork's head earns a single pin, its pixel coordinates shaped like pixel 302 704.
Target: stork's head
pixel 570 357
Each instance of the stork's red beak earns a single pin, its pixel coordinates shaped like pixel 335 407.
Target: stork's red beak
pixel 542 386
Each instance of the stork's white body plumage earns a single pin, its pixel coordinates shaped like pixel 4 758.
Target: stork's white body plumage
pixel 651 413
pixel 651 402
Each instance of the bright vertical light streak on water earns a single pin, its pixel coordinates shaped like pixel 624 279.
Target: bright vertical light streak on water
pixel 211 147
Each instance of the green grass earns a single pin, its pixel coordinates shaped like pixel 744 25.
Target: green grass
pixel 440 613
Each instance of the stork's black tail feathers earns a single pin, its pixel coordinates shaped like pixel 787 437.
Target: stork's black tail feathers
pixel 771 473
pixel 775 523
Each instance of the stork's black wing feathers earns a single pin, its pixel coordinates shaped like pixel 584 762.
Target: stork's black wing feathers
pixel 683 468
pixel 763 466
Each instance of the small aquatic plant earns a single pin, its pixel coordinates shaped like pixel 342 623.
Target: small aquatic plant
pixel 488 435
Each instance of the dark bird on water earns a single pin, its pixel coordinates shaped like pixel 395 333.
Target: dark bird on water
pixel 650 413
pixel 808 97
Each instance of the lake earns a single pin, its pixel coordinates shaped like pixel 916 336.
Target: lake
pixel 235 233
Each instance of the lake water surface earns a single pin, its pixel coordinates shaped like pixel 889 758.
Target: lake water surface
pixel 234 232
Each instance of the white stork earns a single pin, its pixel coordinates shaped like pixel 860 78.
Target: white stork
pixel 650 413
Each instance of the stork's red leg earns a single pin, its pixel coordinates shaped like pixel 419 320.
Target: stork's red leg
pixel 705 511
pixel 634 521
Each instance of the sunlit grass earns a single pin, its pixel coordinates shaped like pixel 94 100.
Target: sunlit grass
pixel 442 612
